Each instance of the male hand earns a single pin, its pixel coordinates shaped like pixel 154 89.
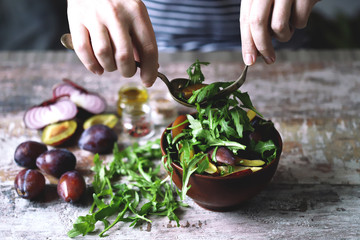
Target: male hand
pixel 260 20
pixel 110 35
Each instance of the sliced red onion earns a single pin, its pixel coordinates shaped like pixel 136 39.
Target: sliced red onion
pixel 89 101
pixel 49 112
pixel 63 88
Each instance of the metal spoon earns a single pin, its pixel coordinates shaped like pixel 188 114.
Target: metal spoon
pixel 176 85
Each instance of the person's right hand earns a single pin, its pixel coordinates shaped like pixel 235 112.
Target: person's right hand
pixel 111 34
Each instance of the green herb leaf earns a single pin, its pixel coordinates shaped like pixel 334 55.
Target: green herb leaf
pixel 201 94
pixel 144 193
pixel 245 99
pixel 267 149
pixel 189 167
pixel 203 164
pixel 194 72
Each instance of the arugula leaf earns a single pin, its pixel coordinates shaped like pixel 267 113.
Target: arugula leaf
pixel 208 138
pixel 267 149
pixel 189 167
pixel 194 72
pixel 196 126
pixel 227 129
pixel 144 193
pixel 82 225
pixel 245 99
pixel 203 164
pixel 208 90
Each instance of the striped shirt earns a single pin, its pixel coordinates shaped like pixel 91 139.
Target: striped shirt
pixel 189 25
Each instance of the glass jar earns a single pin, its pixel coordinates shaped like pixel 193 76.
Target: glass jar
pixel 134 109
pixel 131 93
pixel 136 120
pixel 164 109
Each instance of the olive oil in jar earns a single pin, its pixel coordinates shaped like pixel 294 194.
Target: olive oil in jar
pixel 135 111
pixel 131 93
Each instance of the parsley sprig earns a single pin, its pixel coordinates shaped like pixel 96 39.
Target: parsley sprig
pixel 140 193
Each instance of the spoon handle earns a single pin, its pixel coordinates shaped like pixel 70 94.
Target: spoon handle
pixel 235 85
pixel 160 75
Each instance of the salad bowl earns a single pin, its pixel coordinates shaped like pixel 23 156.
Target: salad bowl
pixel 224 193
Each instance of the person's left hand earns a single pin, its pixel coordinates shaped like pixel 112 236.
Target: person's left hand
pixel 260 20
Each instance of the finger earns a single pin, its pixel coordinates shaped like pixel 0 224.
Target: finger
pixel 249 51
pixel 280 20
pixel 145 46
pixel 301 12
pixel 102 48
pixel 118 25
pixel 259 27
pixel 83 49
pixel 123 50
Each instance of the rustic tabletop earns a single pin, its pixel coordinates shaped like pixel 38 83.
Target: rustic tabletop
pixel 312 97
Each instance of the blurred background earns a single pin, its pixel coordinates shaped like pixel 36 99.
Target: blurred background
pixel 38 25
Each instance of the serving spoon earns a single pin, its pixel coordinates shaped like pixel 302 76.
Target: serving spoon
pixel 176 85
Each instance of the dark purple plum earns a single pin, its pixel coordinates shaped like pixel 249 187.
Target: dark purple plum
pixel 98 139
pixel 71 186
pixel 56 162
pixel 223 155
pixel 27 152
pixel 29 183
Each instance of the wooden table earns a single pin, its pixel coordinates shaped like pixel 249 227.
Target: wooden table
pixel 312 97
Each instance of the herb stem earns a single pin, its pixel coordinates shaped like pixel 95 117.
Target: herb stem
pixel 118 218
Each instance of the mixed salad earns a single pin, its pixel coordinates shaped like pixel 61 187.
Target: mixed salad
pixel 226 137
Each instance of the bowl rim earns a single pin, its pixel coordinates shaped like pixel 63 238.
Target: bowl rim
pixel 163 143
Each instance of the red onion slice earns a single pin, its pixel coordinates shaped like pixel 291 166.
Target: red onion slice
pixel 63 89
pixel 89 101
pixel 92 103
pixel 40 116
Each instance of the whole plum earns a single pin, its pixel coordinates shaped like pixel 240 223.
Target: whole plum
pixel 98 139
pixel 56 162
pixel 27 152
pixel 71 186
pixel 29 183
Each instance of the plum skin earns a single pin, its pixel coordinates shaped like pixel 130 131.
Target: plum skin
pixel 56 162
pixel 223 155
pixel 98 139
pixel 29 183
pixel 71 186
pixel 27 152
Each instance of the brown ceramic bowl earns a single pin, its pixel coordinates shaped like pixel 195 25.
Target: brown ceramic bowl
pixel 226 193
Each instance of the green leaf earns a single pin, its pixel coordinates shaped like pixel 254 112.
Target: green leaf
pixel 203 164
pixel 238 120
pixel 82 226
pixel 188 170
pixel 245 99
pixel 194 72
pixel 125 199
pixel 227 129
pixel 206 91
pixel 195 125
pixel 267 149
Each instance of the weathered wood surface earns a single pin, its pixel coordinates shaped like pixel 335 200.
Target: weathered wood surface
pixel 313 98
